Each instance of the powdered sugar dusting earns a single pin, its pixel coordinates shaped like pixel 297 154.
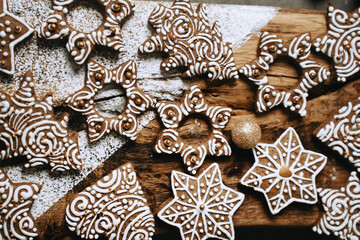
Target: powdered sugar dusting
pixel 54 72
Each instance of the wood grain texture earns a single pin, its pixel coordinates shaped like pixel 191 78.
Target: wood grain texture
pixel 154 170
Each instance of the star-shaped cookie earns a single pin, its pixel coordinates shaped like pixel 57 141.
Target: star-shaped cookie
pixel 96 78
pixel 341 42
pixel 115 207
pixel 12 31
pixel 342 132
pixel 189 39
pixel 16 221
pixel 202 206
pixel 297 51
pixel 28 127
pixel 173 114
pixel 342 210
pixel 81 44
pixel 285 172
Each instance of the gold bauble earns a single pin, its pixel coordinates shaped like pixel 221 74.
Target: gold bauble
pixel 246 133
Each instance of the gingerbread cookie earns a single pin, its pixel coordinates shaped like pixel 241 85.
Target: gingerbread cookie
pixel 341 216
pixel 285 172
pixel 190 41
pixel 172 114
pixel 342 132
pixel 80 44
pixel 16 221
pixel 12 31
pixel 28 127
pixel 340 42
pixel 97 77
pixel 311 73
pixel 202 206
pixel 114 207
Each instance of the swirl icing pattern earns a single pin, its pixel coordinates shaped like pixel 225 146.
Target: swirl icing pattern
pixel 12 31
pixel 285 172
pixel 311 73
pixel 114 207
pixel 172 114
pixel 16 221
pixel 341 42
pixel 190 41
pixel 202 206
pixel 341 133
pixel 342 211
pixel 97 77
pixel 80 44
pixel 29 127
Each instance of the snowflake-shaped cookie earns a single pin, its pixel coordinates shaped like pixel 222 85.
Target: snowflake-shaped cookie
pixel 80 44
pixel 173 114
pixel 28 127
pixel 285 172
pixel 202 206
pixel 342 211
pixel 190 41
pixel 16 221
pixel 12 31
pixel 341 42
pixel 311 73
pixel 114 207
pixel 342 132
pixel 137 101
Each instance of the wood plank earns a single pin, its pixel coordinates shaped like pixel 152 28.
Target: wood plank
pixel 154 169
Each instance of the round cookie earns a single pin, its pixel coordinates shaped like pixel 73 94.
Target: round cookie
pixel 80 44
pixel 173 114
pixel 246 133
pixel 298 49
pixel 97 76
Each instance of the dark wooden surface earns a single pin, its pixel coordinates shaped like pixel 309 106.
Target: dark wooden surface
pixel 253 219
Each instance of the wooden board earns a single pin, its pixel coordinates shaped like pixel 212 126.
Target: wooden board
pixel 154 169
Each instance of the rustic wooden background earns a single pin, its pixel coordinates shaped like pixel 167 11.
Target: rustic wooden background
pixel 253 219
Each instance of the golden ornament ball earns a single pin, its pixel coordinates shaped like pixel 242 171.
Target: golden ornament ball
pixel 246 133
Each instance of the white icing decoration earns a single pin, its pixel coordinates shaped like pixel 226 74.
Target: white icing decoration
pixel 341 42
pixel 171 114
pixel 16 221
pixel 341 207
pixel 114 206
pixel 342 132
pixel 311 75
pixel 10 37
pixel 137 101
pixel 190 41
pixel 202 206
pixel 102 36
pixel 29 128
pixel 292 172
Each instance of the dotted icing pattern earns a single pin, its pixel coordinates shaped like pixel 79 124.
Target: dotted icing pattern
pixel 202 206
pixel 311 73
pixel 16 221
pixel 80 44
pixel 341 133
pixel 114 207
pixel 285 172
pixel 341 42
pixel 172 114
pixel 28 127
pixel 137 101
pixel 342 215
pixel 189 40
pixel 12 30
